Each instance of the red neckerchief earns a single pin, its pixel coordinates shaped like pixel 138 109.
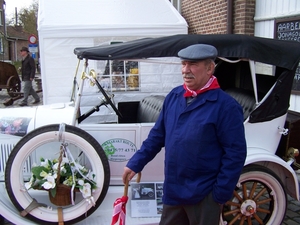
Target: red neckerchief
pixel 212 83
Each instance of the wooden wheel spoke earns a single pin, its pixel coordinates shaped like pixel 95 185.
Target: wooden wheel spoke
pixel 260 194
pixel 249 220
pixel 235 219
pixel 231 212
pixel 245 195
pixel 229 203
pixel 263 201
pixel 237 196
pixel 242 220
pixel 258 219
pixel 252 190
pixel 263 210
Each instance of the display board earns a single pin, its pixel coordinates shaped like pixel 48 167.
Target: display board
pixel 289 30
pixel 146 199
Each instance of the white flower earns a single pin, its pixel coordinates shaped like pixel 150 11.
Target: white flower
pixel 86 190
pixel 50 183
pixel 63 170
pixel 29 183
pixel 55 166
pixel 44 174
pixel 45 163
pixel 81 182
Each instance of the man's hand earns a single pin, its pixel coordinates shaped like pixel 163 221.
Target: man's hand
pixel 128 174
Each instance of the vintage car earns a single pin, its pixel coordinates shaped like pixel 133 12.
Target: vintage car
pixel 257 72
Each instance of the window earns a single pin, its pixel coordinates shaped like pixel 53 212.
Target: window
pixel 1 45
pixel 176 4
pixel 120 75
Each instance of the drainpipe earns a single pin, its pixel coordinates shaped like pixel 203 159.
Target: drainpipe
pixel 4 22
pixel 229 16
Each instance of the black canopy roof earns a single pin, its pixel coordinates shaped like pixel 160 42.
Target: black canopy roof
pixel 275 52
pixel 283 54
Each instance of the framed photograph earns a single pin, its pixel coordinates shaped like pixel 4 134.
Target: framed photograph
pixel 146 199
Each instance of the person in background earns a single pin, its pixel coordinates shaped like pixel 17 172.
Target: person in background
pixel 28 73
pixel 201 128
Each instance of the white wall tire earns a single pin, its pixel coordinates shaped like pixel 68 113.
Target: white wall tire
pixel 259 198
pixel 40 142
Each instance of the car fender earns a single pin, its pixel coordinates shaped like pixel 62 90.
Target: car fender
pixel 40 115
pixel 54 114
pixel 282 168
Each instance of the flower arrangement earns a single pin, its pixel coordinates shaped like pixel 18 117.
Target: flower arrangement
pixel 51 173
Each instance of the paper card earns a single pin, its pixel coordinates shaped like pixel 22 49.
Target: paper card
pixel 146 199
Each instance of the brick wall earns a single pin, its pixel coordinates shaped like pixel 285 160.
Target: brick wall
pixel 210 16
pixel 243 11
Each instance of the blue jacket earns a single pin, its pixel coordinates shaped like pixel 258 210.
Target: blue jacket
pixel 205 147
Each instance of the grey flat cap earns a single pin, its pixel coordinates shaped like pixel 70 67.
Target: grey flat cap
pixel 198 52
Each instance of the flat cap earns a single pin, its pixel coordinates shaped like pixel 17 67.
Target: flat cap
pixel 24 49
pixel 198 52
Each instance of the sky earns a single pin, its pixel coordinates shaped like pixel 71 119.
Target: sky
pixel 11 4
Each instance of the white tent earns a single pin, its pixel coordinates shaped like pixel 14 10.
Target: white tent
pixel 64 25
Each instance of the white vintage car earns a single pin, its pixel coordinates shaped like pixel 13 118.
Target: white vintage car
pixel 257 72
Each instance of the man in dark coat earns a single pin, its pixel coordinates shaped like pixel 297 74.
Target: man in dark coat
pixel 28 73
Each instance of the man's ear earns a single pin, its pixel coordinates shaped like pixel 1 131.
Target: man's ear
pixel 210 68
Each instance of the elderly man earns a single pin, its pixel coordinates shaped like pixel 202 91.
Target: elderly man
pixel 28 73
pixel 201 128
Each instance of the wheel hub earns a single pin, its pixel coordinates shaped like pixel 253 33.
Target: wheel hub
pixel 248 207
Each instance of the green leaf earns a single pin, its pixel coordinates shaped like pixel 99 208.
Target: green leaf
pixel 37 171
pixel 53 192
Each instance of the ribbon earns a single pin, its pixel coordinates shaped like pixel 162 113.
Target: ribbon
pixel 61 132
pixel 73 169
pixel 212 83
pixel 119 211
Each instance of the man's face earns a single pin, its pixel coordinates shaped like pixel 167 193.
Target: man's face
pixel 196 74
pixel 23 53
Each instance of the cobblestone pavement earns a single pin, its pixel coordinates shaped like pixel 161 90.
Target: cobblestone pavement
pixel 293 210
pixel 36 86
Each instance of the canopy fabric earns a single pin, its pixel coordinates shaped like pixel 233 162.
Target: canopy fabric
pixel 275 52
pixel 92 18
pixel 66 24
pixel 282 54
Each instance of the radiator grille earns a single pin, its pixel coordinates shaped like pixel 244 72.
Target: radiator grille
pixel 5 150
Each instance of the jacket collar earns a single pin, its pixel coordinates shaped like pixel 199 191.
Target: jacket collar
pixel 211 95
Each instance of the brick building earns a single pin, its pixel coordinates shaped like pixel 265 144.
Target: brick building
pixel 219 16
pixel 278 19
pixel 12 38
